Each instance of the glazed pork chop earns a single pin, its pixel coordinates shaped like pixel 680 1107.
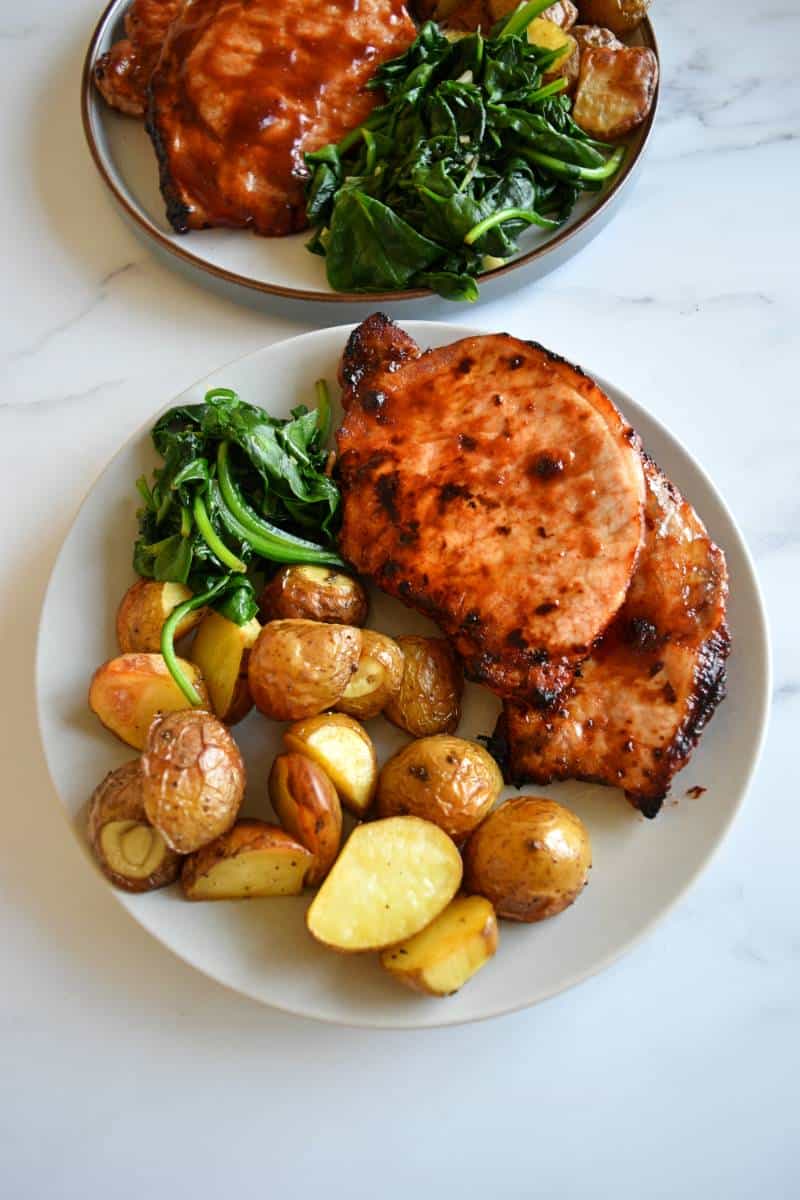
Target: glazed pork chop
pixel 123 73
pixel 495 488
pixel 244 87
pixel 633 715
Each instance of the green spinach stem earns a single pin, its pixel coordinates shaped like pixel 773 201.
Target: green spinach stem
pixel 521 18
pixel 572 171
pixel 211 537
pixel 168 641
pixel 507 214
pixel 323 410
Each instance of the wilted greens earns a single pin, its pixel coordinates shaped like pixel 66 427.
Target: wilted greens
pixel 470 148
pixel 237 488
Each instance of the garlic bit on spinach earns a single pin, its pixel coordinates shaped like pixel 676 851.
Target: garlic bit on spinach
pixel 469 149
pixel 238 489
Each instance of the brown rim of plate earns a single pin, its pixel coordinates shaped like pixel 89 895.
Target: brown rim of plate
pixel 89 97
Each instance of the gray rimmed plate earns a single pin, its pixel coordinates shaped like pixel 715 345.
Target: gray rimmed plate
pixel 253 266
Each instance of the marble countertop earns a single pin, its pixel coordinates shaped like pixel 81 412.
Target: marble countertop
pixel 674 1072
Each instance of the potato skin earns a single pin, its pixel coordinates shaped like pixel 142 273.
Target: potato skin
pixel 595 35
pixel 620 16
pixel 444 779
pixel 429 700
pixel 616 89
pixel 127 692
pixel 378 678
pixel 299 668
pixel 143 610
pixel 316 594
pixel 193 778
pixel 245 836
pixel 307 806
pixel 118 797
pixel 530 858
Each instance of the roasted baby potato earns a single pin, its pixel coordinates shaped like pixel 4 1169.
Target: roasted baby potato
pixel 429 700
pixel 616 89
pixel 442 957
pixel 253 859
pixel 443 779
pixel 192 778
pixel 530 857
pixel 620 16
pixel 550 36
pixel 344 750
pixel 130 852
pixel 378 678
pixel 390 880
pixel 307 806
pixel 314 594
pixel 299 668
pixel 221 649
pixel 595 35
pixel 143 610
pixel 127 692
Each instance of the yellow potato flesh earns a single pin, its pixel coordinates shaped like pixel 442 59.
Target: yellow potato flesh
pixel 449 951
pixel 390 880
pixel 253 873
pixel 132 848
pixel 550 36
pixel 127 692
pixel 344 755
pixel 218 650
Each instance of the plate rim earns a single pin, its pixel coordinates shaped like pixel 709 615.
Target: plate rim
pixel 419 328
pixel 90 102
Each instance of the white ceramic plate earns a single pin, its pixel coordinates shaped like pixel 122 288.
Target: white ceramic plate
pixel 261 948
pixel 126 161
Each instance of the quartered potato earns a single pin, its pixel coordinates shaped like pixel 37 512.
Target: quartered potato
pixel 193 778
pixel 143 610
pixel 548 35
pixel 620 16
pixel 377 679
pixel 443 779
pixel 221 649
pixel 442 957
pixel 316 594
pixel 307 806
pixel 298 668
pixel 130 852
pixel 251 860
pixel 392 878
pixel 429 700
pixel 126 693
pixel 530 857
pixel 344 750
pixel 615 90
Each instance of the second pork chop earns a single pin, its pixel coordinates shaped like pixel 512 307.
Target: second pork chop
pixel 243 88
pixel 495 488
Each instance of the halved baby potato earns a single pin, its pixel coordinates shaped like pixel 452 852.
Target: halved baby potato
pixel 254 859
pixel 307 806
pixel 221 650
pixel 127 692
pixel 129 851
pixel 392 878
pixel 298 668
pixel 344 750
pixel 143 610
pixel 616 89
pixel 620 16
pixel 378 678
pixel 442 957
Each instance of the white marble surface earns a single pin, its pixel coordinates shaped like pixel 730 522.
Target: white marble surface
pixel 674 1073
